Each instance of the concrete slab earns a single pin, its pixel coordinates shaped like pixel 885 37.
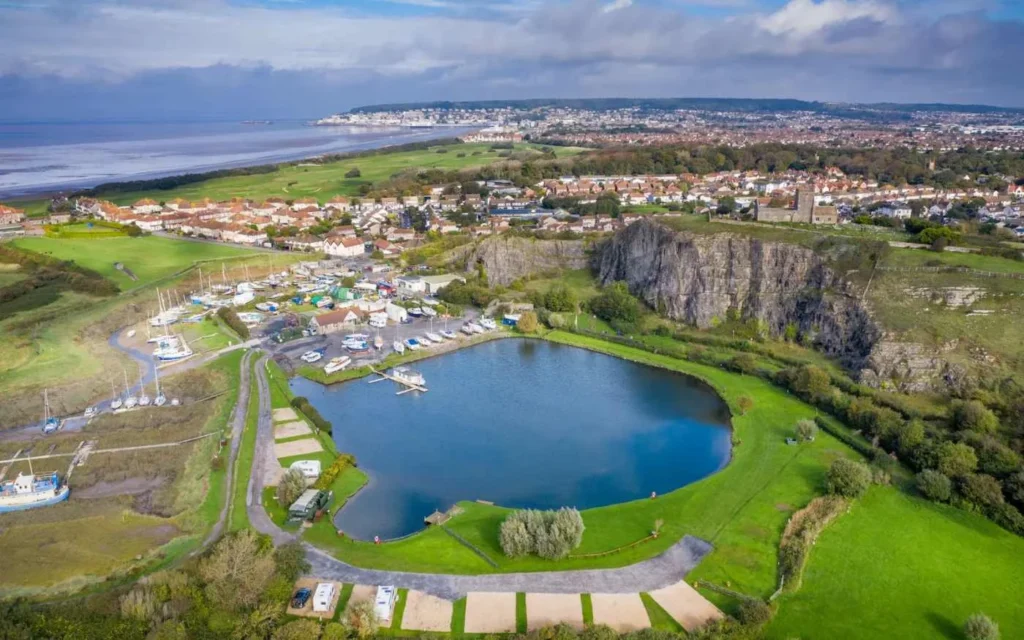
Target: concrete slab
pixel 285 415
pixel 620 611
pixel 297 447
pixel 686 605
pixel 307 611
pixel 291 429
pixel 424 612
pixel 549 609
pixel 488 612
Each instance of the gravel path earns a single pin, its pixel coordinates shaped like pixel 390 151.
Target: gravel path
pixel 661 571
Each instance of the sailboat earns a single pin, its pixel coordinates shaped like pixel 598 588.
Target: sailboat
pixel 160 399
pixel 378 342
pixel 398 345
pixel 50 422
pixel 129 401
pixel 115 402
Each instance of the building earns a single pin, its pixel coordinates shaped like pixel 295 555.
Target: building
pixel 10 215
pixel 433 284
pixel 803 211
pixel 335 321
pixel 344 247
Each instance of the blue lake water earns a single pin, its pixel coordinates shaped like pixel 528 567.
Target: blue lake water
pixel 522 423
pixel 46 157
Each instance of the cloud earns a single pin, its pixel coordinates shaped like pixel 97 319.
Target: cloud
pixel 173 53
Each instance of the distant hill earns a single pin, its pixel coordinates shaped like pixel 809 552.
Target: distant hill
pixel 709 104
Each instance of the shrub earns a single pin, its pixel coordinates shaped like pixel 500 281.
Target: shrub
pixel 848 478
pixel 354 172
pixel 745 403
pixel 972 415
pixel 956 459
pixel 548 534
pixel 139 603
pixel 743 363
pixel 307 409
pixel 297 630
pixel 331 473
pixel 560 298
pixel 527 322
pixel 230 318
pixel 754 612
pixel 981 627
pixel 362 619
pixel 934 486
pixel 981 490
pixel 616 303
pixel 291 486
pixel 290 560
pixel 806 430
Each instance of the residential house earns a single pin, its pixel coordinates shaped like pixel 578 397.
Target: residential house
pixel 334 321
pixel 10 215
pixel 344 247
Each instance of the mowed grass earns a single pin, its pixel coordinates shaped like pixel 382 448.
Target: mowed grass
pixel 324 181
pixel 741 510
pixel 897 566
pixel 150 258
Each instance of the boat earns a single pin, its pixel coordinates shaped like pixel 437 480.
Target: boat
pixel 475 328
pixel 361 337
pixel 51 423
pixel 415 312
pixel 129 401
pixel 378 342
pixel 115 402
pixel 357 347
pixel 160 398
pixel 398 347
pixel 89 412
pixel 413 344
pixel 430 313
pixel 337 364
pixel 144 400
pixel 131 333
pixel 175 402
pixel 488 323
pixel 433 337
pixel 29 491
pixel 449 334
pixel 311 356
pixel 467 329
pixel 408 376
pixel 172 348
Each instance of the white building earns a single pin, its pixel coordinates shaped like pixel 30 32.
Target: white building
pixel 344 247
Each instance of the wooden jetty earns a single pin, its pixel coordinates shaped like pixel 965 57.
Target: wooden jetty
pixel 408 385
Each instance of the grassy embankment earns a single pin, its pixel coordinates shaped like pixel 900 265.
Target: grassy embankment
pixel 129 509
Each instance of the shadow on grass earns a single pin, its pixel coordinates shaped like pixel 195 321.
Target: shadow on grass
pixel 944 626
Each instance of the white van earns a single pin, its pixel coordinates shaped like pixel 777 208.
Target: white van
pixel 322 597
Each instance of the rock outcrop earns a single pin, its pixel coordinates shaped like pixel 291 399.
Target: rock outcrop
pixel 702 279
pixel 507 258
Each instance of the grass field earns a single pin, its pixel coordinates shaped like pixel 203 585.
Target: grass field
pixel 901 567
pixel 324 181
pixel 150 258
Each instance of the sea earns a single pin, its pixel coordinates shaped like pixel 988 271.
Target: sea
pixel 43 158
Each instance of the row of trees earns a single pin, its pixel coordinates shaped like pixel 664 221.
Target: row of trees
pixel 548 534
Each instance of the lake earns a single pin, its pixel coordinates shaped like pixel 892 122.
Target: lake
pixel 521 423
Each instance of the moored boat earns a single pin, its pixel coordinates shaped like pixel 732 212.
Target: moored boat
pixel 337 364
pixel 433 337
pixel 448 334
pixel 29 491
pixel 398 347
pixel 408 376
pixel 413 344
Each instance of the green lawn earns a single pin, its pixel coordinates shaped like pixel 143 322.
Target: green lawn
pixel 922 258
pixel 900 567
pixel 327 180
pixel 149 258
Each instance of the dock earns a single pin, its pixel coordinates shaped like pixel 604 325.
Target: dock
pixel 408 385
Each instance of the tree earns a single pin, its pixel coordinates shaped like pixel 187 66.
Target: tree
pixel 616 303
pixel 527 322
pixel 290 560
pixel 956 459
pixel 811 382
pixel 981 490
pixel 934 486
pixel 753 612
pixel 291 486
pixel 980 627
pixel 743 363
pixel 303 629
pixel 806 430
pixel 848 478
pixel 334 631
pixel 909 434
pixel 972 415
pixel 548 534
pixel 237 571
pixel 560 298
pixel 354 172
pixel 362 619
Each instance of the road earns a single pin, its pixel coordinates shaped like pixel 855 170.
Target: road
pixel 666 569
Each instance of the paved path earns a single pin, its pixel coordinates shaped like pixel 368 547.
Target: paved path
pixel 666 569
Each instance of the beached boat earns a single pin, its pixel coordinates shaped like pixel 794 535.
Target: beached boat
pixel 115 402
pixel 398 347
pixel 337 364
pixel 428 312
pixel 433 337
pixel 171 348
pixel 29 491
pixel 408 376
pixel 467 329
pixel 131 333
pixel 89 412
pixel 450 335
pixel 413 344
pixel 378 342
pixel 415 312
pixel 488 323
pixel 51 423
pixel 160 398
pixel 130 401
pixel 357 347
pixel 475 328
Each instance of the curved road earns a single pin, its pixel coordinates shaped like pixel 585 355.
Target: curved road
pixel 664 570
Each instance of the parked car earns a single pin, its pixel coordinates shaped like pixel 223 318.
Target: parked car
pixel 300 598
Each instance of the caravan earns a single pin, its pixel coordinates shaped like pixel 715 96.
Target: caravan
pixel 323 597
pixel 384 604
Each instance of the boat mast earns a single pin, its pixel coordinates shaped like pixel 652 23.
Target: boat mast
pixel 127 391
pixel 46 406
pixel 156 375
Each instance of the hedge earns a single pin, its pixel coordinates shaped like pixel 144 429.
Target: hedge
pixel 230 318
pixel 308 410
pixel 331 473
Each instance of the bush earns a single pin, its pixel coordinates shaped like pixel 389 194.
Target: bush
pixel 331 473
pixel 974 416
pixel 527 322
pixel 754 612
pixel 308 410
pixel 560 298
pixel 616 303
pixel 548 534
pixel 934 486
pixel 230 318
pixel 848 478
pixel 291 486
pixel 354 172
pixel 956 459
pixel 362 619
pixel 981 627
pixel 743 363
pixel 981 490
pixel 806 430
pixel 745 403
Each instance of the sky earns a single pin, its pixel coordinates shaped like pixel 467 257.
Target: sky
pixel 152 60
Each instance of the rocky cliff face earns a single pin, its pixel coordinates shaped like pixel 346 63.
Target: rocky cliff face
pixel 507 258
pixel 698 279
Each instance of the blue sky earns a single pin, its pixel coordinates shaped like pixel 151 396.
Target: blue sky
pixel 183 59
